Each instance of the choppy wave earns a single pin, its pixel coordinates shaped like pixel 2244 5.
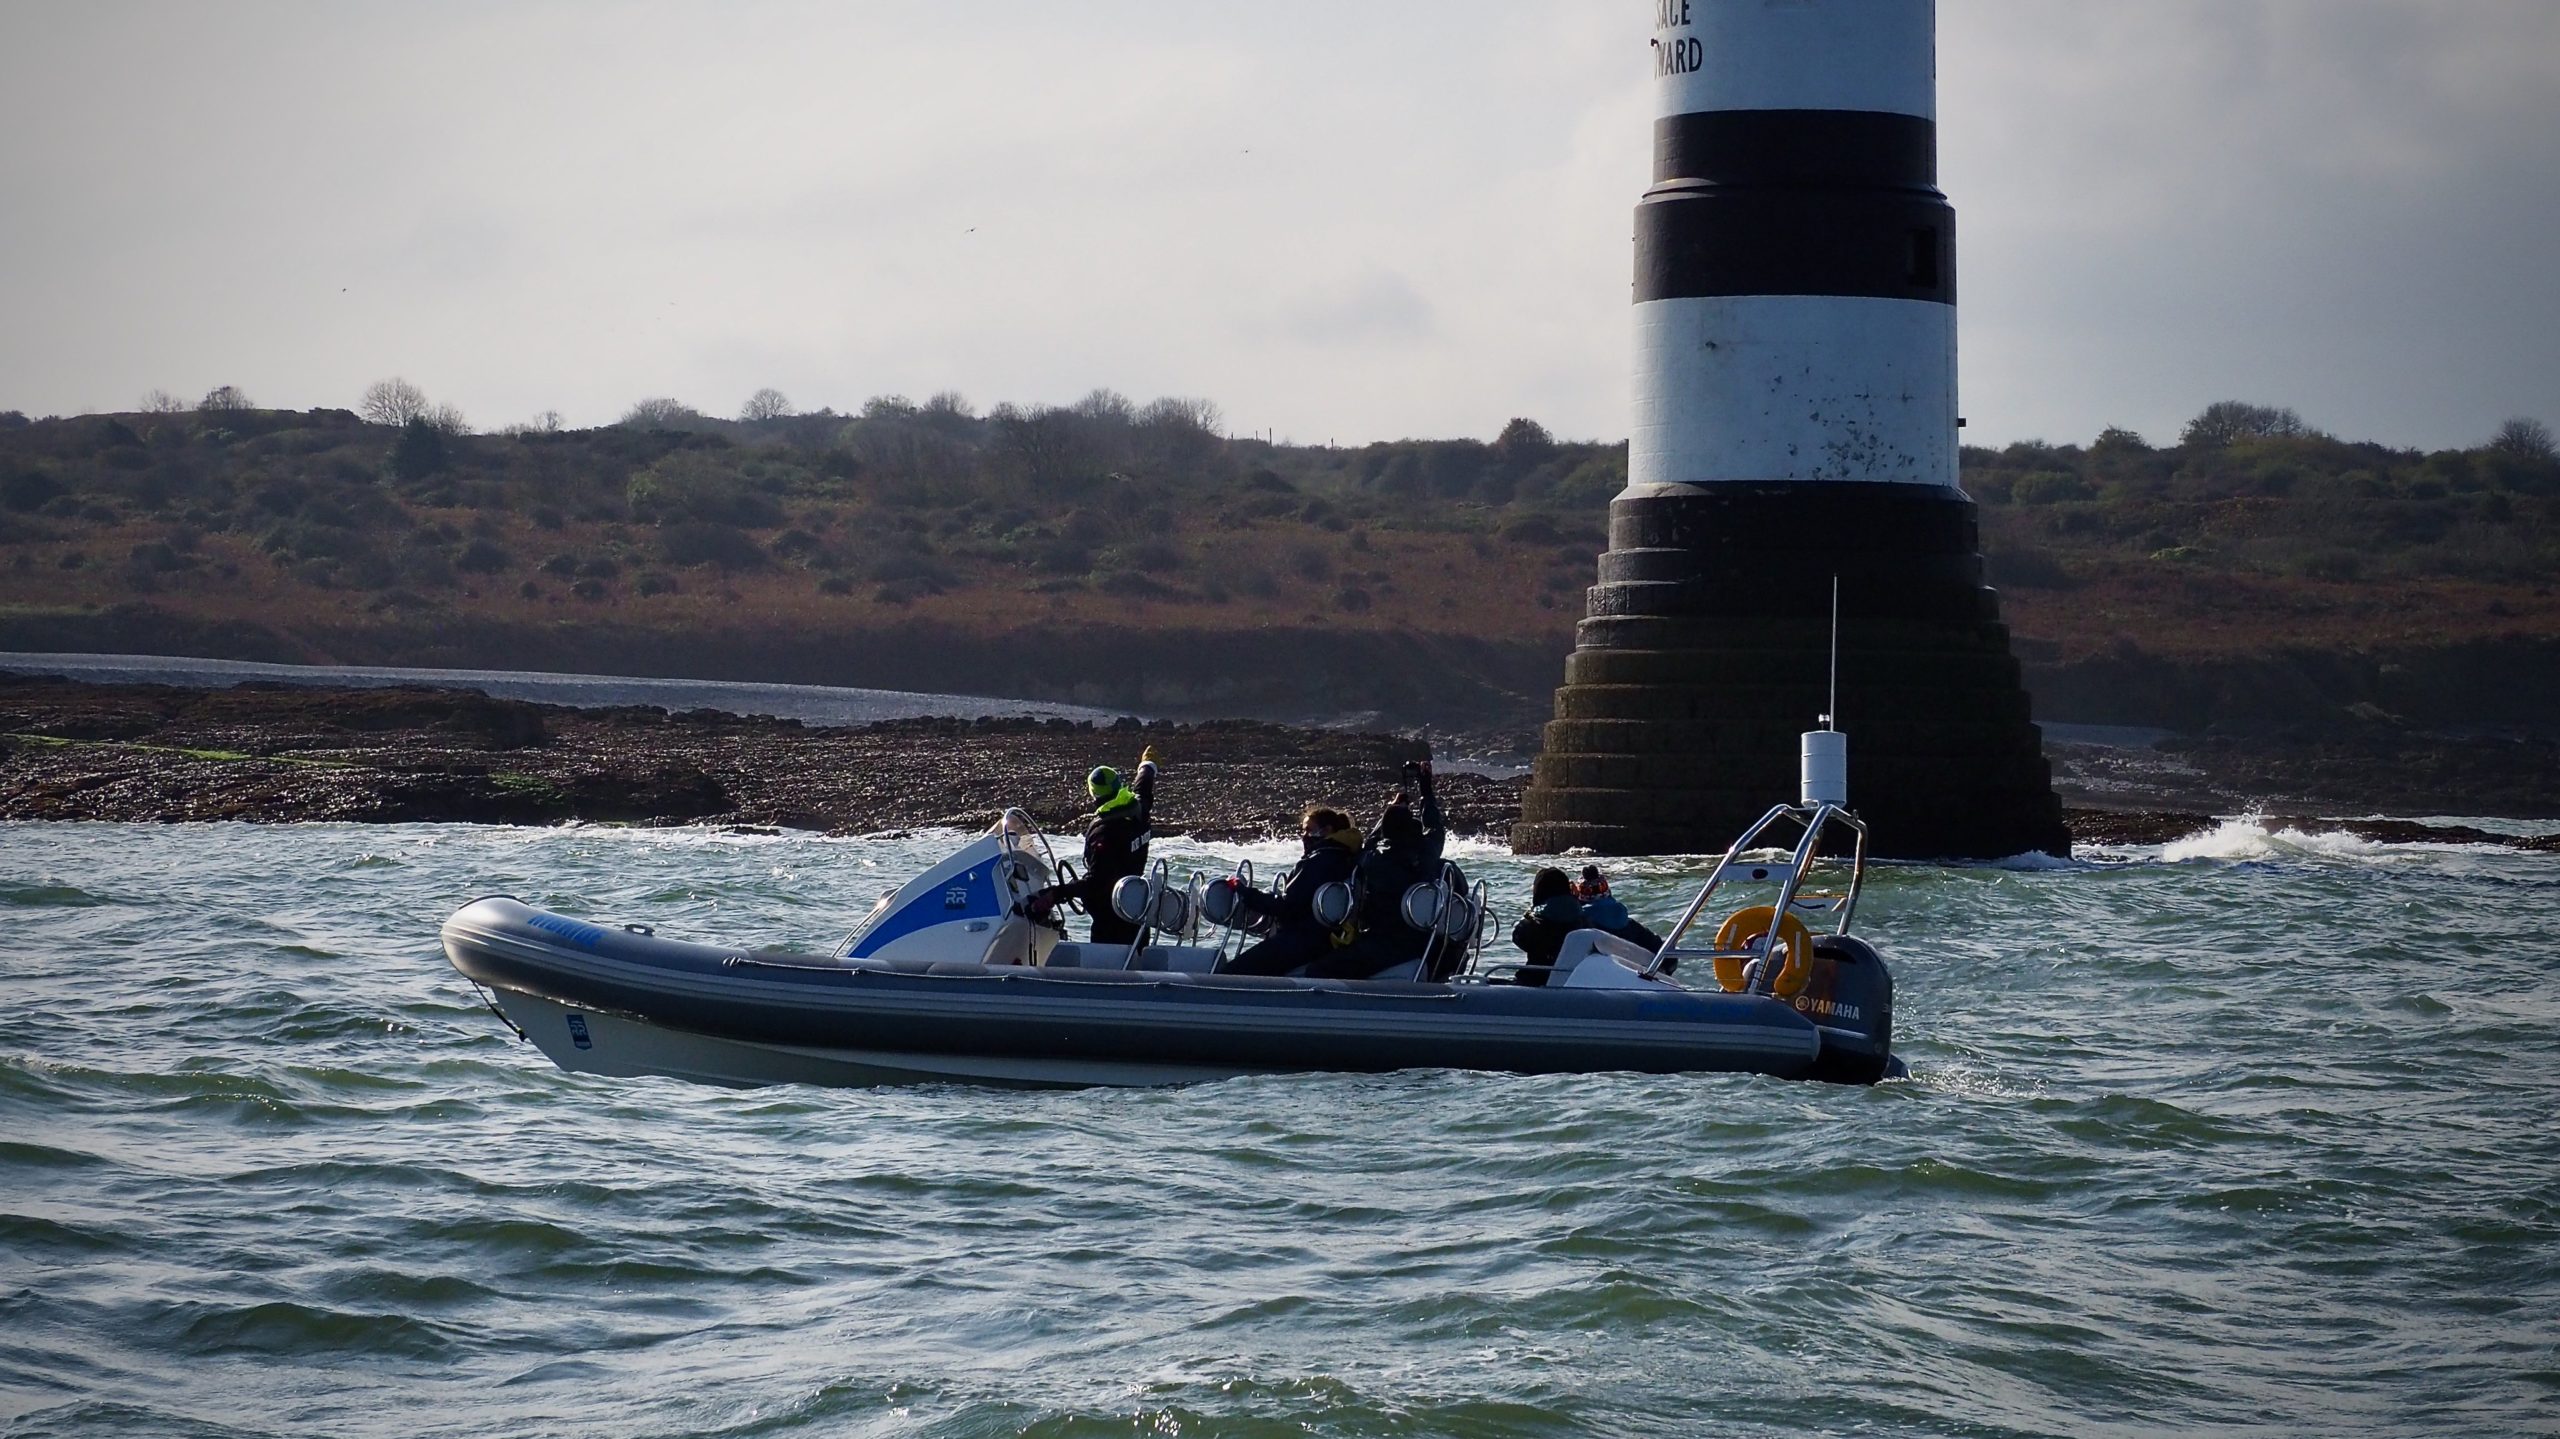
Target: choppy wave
pixel 2248 837
pixel 49 896
pixel 2248 1134
pixel 2034 861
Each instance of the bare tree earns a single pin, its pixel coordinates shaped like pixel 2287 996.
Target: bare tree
pixel 545 423
pixel 224 397
pixel 447 418
pixel 660 413
pixel 1049 446
pixel 2526 439
pixel 1107 406
pixel 161 402
pixel 904 444
pixel 766 404
pixel 2225 421
pixel 1180 435
pixel 1175 412
pixel 392 402
pixel 950 414
pixel 1524 439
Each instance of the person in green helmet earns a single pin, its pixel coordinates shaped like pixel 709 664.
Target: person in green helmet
pixel 1115 847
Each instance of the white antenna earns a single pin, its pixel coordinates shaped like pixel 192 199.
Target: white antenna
pixel 1825 751
pixel 1831 714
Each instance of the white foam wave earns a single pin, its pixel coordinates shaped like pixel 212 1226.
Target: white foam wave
pixel 2246 837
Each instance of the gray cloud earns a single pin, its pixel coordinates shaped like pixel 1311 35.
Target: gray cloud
pixel 1340 220
pixel 2326 203
pixel 1380 306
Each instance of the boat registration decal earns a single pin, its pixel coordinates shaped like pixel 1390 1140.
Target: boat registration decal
pixel 578 1032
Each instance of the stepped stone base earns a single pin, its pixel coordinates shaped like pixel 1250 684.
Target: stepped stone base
pixel 1706 653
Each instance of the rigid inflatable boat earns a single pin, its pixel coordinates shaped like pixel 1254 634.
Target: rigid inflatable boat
pixel 948 980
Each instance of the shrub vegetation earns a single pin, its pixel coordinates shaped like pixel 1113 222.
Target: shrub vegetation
pixel 1113 505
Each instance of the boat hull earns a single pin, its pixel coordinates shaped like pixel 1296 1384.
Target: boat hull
pixel 627 1048
pixel 609 1001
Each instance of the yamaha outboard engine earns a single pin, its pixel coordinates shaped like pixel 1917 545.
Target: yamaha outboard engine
pixel 1849 997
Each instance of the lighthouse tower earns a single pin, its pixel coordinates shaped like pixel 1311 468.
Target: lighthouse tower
pixel 1794 425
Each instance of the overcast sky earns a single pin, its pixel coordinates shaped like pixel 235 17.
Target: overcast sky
pixel 1339 221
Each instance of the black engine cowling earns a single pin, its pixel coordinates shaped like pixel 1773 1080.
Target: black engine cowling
pixel 1849 996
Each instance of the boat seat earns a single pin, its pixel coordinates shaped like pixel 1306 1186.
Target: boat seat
pixel 1154 959
pixel 1163 959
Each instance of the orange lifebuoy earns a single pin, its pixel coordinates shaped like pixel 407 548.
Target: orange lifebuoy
pixel 1744 926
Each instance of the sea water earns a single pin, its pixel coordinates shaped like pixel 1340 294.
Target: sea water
pixel 2251 1134
pixel 810 704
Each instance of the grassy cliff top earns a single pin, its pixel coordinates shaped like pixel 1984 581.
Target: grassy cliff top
pixel 2252 534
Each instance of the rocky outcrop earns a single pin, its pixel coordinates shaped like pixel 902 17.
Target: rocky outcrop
pixel 277 754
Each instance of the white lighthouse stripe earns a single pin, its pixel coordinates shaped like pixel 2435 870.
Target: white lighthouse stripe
pixel 1793 387
pixel 1795 55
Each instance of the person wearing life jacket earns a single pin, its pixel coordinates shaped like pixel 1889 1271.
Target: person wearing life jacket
pixel 1553 914
pixel 1602 911
pixel 1332 856
pixel 1402 852
pixel 1115 847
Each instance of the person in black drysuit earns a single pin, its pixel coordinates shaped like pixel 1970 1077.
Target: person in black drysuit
pixel 1403 852
pixel 1333 854
pixel 1115 847
pixel 1553 914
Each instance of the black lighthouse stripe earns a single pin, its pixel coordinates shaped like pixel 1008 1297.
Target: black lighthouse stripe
pixel 1795 202
pixel 1718 241
pixel 1864 149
